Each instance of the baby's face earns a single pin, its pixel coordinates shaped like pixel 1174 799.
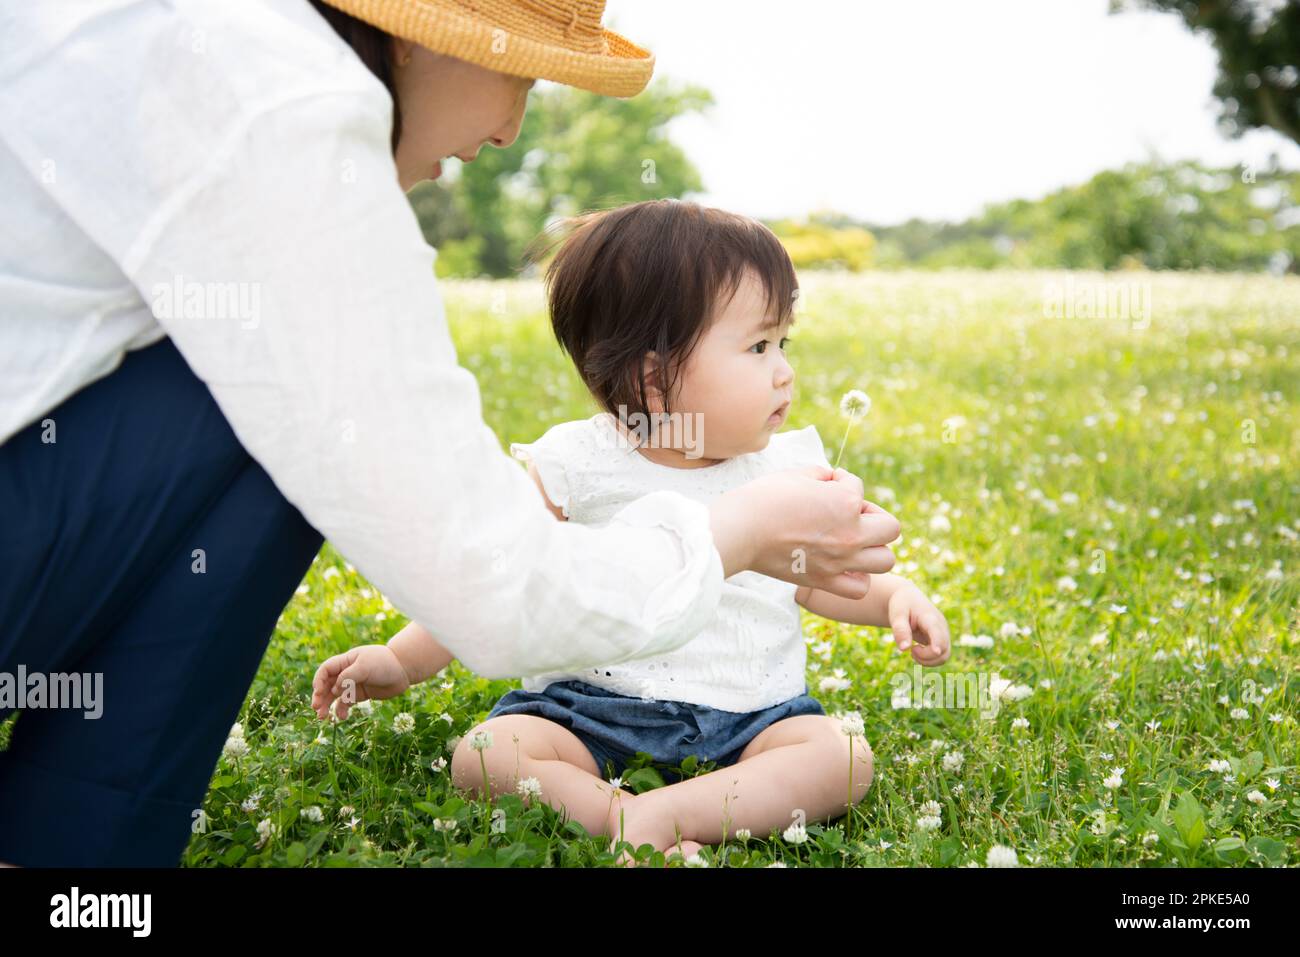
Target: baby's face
pixel 735 380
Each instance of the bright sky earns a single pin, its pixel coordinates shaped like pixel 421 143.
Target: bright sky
pixel 930 108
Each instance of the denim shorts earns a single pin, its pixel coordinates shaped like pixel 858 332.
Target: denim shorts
pixel 615 727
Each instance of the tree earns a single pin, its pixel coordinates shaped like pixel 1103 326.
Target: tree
pixel 576 151
pixel 1258 42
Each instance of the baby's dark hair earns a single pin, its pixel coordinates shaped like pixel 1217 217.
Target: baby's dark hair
pixel 652 276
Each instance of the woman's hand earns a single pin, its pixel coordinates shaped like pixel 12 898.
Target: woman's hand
pixel 370 671
pixel 807 526
pixel 918 625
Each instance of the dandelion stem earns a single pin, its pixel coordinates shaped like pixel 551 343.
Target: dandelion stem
pixel 849 804
pixel 487 786
pixel 843 440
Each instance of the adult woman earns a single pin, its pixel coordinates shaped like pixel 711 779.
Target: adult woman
pixel 221 339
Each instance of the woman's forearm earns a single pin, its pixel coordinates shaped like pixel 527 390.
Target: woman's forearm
pixel 732 524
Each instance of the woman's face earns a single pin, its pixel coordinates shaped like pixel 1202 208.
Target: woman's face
pixel 451 108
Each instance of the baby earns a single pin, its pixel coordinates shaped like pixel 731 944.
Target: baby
pixel 652 300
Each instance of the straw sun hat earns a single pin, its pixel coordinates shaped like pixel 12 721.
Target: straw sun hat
pixel 559 40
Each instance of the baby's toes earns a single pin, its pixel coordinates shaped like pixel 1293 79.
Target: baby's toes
pixel 689 849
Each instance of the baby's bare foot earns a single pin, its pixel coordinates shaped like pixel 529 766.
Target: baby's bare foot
pixel 688 850
pixel 641 824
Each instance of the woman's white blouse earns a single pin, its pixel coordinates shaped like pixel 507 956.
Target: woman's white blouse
pixel 751 654
pixel 220 173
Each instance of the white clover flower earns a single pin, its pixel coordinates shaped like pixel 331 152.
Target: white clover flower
pixel 1100 638
pixel 364 707
pixel 696 861
pixel 931 808
pixel 1020 724
pixel 1003 690
pixel 743 834
pixel 529 787
pixel 777 864
pixel 236 730
pixel 1066 583
pixel 796 833
pixel 1256 797
pixel 834 683
pixel 265 829
pixel 1239 714
pixel 1219 766
pixel 235 747
pixel 445 823
pixel 1150 837
pixel 976 641
pixel 313 814
pixel 481 741
pixel 1009 630
pixel 250 803
pixel 851 724
pixel 1001 856
pixel 403 722
pixel 855 402
pixel 953 760
pixel 940 523
pixel 928 822
pixel 347 810
pixel 1115 780
pixel 438 763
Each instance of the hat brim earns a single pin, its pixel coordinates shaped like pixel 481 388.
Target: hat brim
pixel 622 71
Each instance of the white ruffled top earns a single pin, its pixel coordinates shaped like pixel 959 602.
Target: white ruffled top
pixel 751 655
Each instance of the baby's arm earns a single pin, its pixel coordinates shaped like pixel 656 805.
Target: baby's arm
pixel 890 602
pixel 385 671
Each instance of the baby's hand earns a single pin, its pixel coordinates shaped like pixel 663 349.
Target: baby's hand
pixel 918 625
pixel 370 671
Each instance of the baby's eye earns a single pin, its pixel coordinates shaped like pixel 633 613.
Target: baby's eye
pixel 761 345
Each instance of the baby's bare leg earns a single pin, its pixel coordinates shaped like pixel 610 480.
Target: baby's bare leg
pixel 800 764
pixel 548 751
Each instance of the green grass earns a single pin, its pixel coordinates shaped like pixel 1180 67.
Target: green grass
pixel 1072 434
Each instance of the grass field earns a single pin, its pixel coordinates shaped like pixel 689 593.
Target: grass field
pixel 1102 498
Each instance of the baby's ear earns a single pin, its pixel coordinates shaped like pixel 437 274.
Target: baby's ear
pixel 650 366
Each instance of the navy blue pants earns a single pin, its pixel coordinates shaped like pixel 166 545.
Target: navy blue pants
pixel 143 544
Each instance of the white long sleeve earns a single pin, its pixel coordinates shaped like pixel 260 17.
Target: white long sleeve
pixel 254 178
